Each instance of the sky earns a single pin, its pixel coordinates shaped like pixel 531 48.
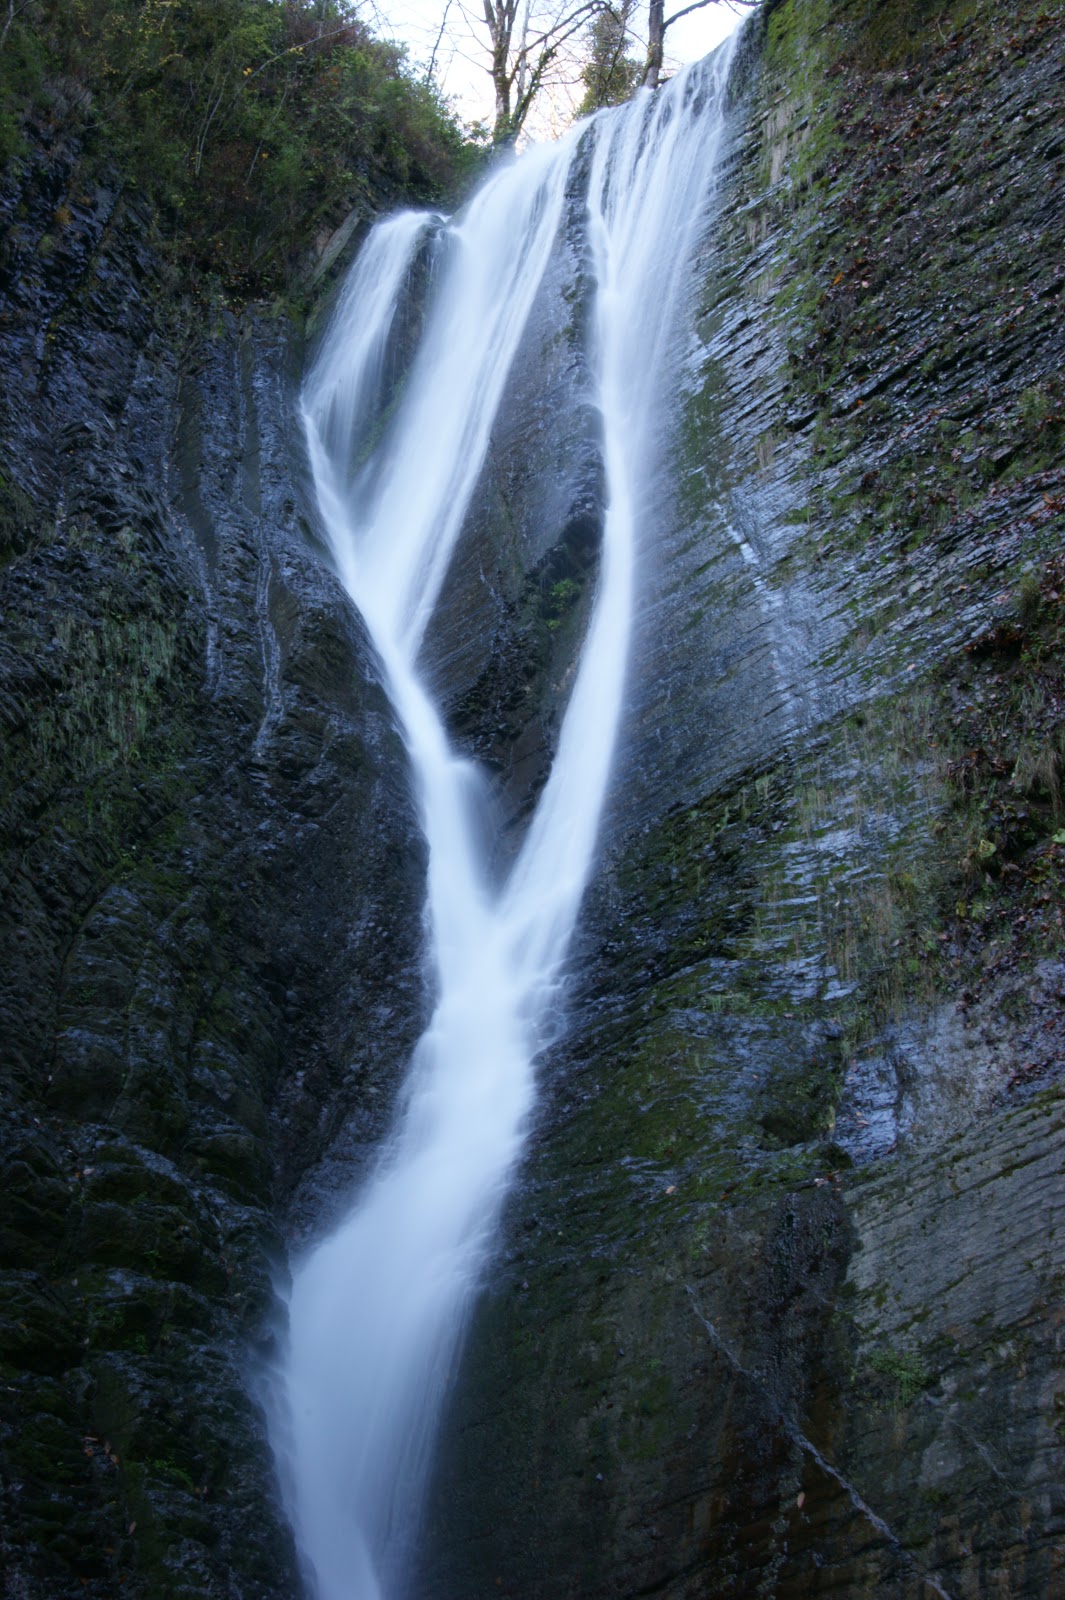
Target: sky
pixel 462 54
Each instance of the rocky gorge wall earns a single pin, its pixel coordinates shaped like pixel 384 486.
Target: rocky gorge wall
pixel 211 907
pixel 778 1311
pixel 777 1306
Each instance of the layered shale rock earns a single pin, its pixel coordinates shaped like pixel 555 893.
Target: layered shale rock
pixel 211 906
pixel 765 1323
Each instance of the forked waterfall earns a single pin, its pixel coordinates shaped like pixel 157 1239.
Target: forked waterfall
pixel 377 1309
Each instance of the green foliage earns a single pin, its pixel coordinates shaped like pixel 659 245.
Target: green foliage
pixel 895 35
pixel 610 74
pixel 904 1370
pixel 252 124
pixel 22 70
pixel 560 600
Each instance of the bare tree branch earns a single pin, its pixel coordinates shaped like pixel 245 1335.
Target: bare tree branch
pixel 698 6
pixel 658 22
pixel 432 59
pixel 566 26
pixel 299 49
pixel 519 65
pixel 12 13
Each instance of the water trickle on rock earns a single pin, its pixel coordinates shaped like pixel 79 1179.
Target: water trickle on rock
pixel 377 1309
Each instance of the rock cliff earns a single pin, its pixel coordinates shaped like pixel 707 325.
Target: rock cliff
pixel 777 1309
pixel 211 907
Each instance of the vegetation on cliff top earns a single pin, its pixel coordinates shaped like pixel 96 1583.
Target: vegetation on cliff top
pixel 251 124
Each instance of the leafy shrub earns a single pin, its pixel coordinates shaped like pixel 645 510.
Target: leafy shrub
pixel 250 123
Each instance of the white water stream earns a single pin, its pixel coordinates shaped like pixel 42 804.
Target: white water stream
pixel 377 1309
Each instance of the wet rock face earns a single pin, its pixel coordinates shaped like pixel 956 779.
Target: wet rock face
pixel 211 908
pixel 763 1322
pixel 501 646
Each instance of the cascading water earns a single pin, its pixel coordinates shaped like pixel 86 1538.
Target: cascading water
pixel 377 1309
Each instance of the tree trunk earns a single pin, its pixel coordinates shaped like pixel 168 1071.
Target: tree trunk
pixel 656 27
pixel 500 19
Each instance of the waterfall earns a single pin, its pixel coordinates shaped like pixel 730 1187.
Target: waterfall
pixel 377 1309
